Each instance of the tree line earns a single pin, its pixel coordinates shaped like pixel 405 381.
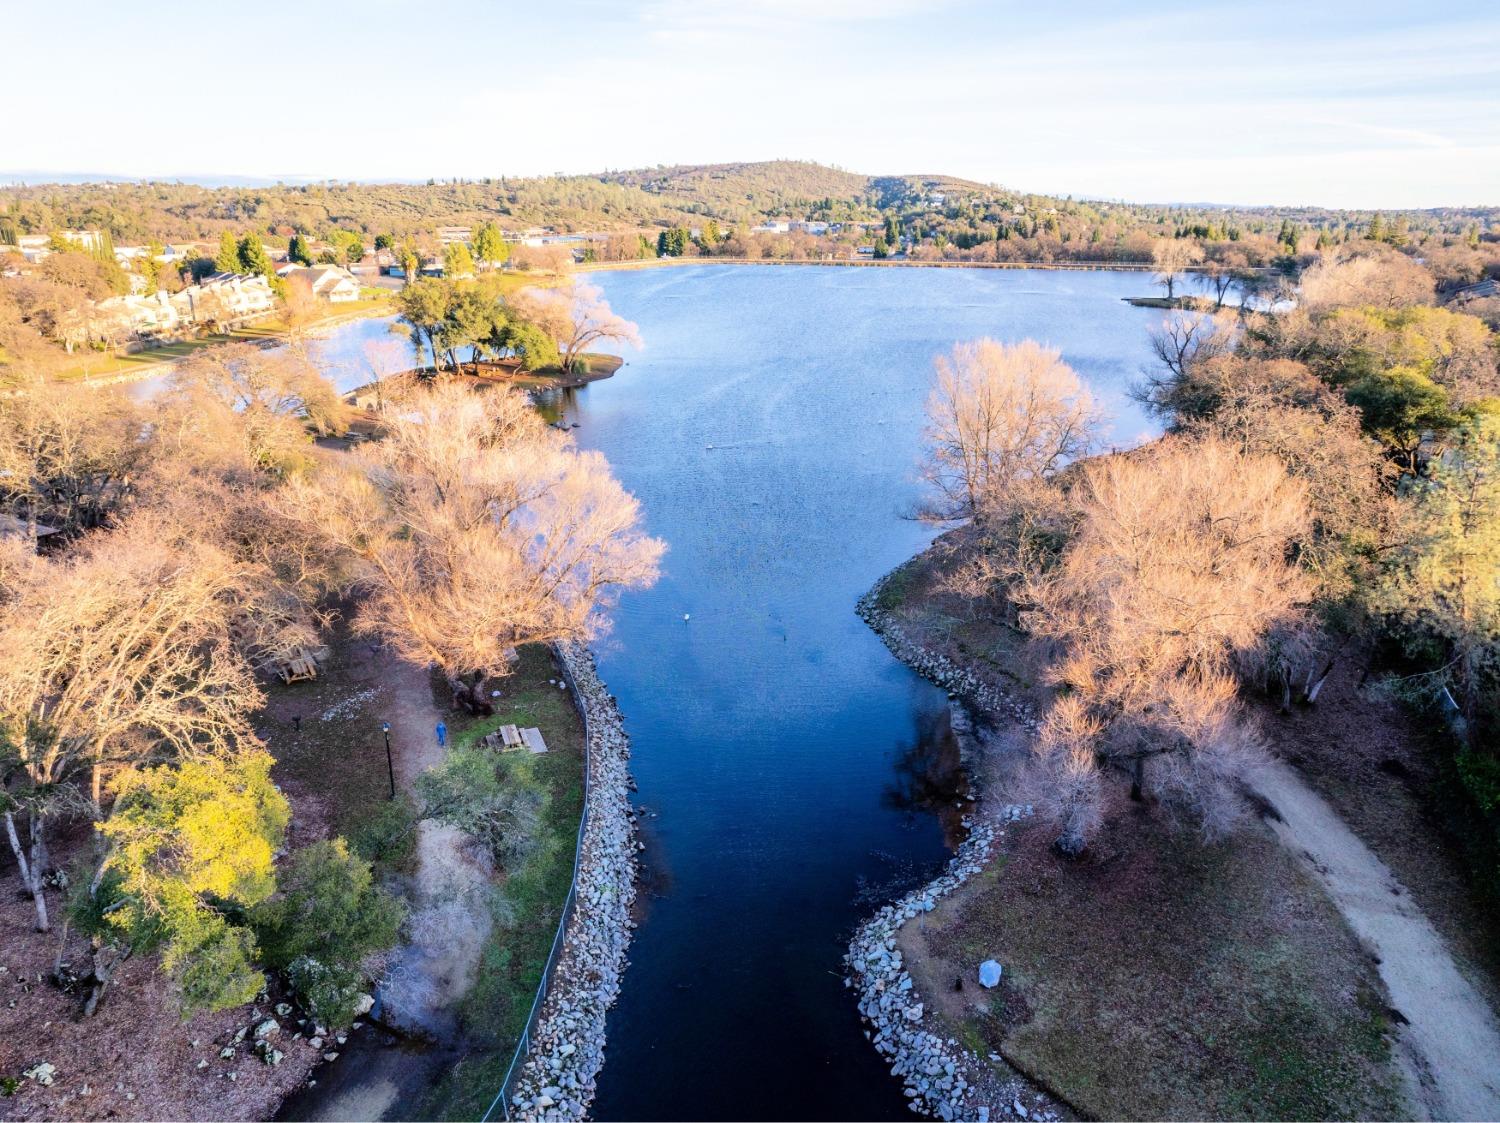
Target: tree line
pixel 1329 478
pixel 190 545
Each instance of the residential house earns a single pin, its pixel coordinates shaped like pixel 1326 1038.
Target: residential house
pixel 226 299
pixel 450 234
pixel 1482 291
pixel 145 316
pixel 332 283
pixel 20 529
pixel 90 241
pixel 34 247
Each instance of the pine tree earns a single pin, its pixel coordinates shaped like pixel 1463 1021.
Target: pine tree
pixel 253 257
pixel 1377 228
pixel 297 251
pixel 490 246
pixel 228 258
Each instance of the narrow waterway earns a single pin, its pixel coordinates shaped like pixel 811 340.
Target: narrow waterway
pixel 789 768
pixel 793 776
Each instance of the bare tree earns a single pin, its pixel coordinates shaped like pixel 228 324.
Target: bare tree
pixel 116 657
pixel 1180 341
pixel 577 316
pixel 1178 560
pixel 1368 275
pixel 1220 272
pixel 67 454
pixel 474 528
pixel 1001 415
pixel 269 403
pixel 1172 258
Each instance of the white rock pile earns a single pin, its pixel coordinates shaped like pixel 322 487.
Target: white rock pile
pixel 933 1069
pixel 943 1079
pixel 557 1078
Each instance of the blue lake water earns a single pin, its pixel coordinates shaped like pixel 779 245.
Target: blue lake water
pixel 790 770
pixel 770 428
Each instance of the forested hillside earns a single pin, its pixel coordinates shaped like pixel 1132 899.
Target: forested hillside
pixel 738 194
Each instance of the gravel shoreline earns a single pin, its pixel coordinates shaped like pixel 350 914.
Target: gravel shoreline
pixel 557 1078
pixel 943 1079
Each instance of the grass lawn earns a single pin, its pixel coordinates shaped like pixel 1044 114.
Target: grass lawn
pixel 1162 979
pixel 97 365
pixel 528 905
pixel 1156 978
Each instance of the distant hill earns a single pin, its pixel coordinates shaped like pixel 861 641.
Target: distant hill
pixel 940 211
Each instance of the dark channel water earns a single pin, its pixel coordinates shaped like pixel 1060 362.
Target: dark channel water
pixel 790 770
pixel 770 428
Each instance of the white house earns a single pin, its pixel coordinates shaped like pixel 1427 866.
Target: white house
pixel 87 240
pixel 332 283
pixel 225 298
pixel 34 247
pixel 142 315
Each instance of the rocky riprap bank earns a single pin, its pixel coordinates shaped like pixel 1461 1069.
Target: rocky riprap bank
pixel 942 1078
pixel 557 1079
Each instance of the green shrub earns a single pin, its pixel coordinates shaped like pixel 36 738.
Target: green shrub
pixel 387 835
pixel 466 791
pixel 329 993
pixel 326 917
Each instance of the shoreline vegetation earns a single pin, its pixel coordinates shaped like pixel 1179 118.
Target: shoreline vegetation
pixel 1193 890
pixel 231 533
pixel 1033 1048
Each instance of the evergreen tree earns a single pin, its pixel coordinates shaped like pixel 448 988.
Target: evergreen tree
pixel 1377 228
pixel 490 246
pixel 253 257
pixel 228 258
pixel 457 260
pixel 297 251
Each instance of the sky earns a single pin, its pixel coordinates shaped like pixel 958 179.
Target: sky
pixel 1324 102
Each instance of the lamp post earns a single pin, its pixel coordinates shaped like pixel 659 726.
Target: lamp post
pixel 385 727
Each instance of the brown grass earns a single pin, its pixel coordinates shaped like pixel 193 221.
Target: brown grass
pixel 1163 979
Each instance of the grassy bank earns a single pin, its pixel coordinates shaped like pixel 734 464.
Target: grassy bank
pixel 1157 977
pixel 89 366
pixel 527 905
pixel 1164 979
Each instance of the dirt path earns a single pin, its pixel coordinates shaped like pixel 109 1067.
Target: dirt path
pixel 449 921
pixel 1452 1035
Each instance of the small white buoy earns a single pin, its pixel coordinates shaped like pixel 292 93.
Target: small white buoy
pixel 687 616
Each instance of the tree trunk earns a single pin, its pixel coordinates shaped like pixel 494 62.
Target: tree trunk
pixel 62 946
pixel 104 971
pixel 469 695
pixel 1315 685
pixel 31 873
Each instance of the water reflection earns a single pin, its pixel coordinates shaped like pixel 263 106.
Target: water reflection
pixel 928 776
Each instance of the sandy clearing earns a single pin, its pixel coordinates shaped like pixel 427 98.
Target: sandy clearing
pixel 1452 1035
